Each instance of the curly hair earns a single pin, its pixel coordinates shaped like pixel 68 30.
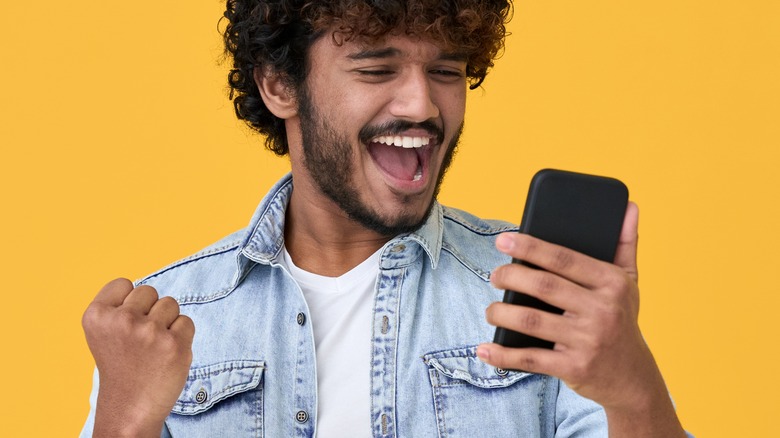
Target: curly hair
pixel 277 34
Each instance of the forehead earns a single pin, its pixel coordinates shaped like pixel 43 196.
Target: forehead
pixel 396 45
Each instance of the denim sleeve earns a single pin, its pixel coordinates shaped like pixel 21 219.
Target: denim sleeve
pixel 577 416
pixel 89 425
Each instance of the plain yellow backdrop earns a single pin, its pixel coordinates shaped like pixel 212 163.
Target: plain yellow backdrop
pixel 120 154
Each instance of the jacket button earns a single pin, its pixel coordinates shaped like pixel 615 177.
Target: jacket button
pixel 301 318
pixel 501 372
pixel 301 417
pixel 201 396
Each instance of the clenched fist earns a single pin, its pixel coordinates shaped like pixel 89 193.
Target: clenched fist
pixel 143 349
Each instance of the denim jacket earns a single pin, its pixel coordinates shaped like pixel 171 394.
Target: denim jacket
pixel 253 371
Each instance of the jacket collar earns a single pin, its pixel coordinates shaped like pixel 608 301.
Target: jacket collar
pixel 264 241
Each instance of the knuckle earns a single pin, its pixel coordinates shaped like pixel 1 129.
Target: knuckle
pixel 92 316
pixel 527 363
pixel 169 303
pixel 545 283
pixel 146 290
pixel 530 321
pixel 124 318
pixel 562 259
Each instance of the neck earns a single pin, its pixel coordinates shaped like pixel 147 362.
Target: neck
pixel 322 239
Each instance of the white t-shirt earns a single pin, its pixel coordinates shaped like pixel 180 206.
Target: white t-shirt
pixel 340 315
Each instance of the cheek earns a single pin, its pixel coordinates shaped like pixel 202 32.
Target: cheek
pixel 452 105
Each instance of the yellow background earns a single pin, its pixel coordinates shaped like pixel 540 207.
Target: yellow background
pixel 120 154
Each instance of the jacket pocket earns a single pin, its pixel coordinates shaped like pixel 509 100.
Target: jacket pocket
pixel 220 397
pixel 472 398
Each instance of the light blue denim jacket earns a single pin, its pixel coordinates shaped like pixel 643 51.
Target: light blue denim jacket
pixel 253 370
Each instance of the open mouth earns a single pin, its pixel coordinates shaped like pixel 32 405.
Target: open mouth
pixel 404 158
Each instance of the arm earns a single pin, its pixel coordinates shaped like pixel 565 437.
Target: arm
pixel 142 348
pixel 599 350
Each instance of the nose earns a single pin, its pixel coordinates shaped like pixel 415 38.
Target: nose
pixel 413 100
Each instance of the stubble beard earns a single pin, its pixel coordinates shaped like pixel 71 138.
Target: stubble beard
pixel 329 159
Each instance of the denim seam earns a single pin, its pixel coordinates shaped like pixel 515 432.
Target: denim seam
pixel 222 293
pixel 485 276
pixel 436 389
pixel 190 259
pixel 481 231
pixel 197 370
pixel 542 392
pixel 451 352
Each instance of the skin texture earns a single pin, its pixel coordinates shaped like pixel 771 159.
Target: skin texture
pixel 142 346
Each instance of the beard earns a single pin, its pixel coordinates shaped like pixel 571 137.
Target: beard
pixel 329 159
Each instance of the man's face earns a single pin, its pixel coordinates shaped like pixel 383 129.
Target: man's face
pixel 379 125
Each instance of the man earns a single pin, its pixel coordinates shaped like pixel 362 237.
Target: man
pixel 354 304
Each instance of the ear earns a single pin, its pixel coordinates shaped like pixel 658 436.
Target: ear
pixel 277 96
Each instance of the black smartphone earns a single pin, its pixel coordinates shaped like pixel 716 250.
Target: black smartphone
pixel 579 211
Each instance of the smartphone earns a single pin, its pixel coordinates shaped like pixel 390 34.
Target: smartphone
pixel 579 211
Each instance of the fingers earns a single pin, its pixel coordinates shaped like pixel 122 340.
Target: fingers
pixel 625 257
pixel 534 322
pixel 532 360
pixel 141 299
pixel 548 287
pixel 165 310
pixel 557 259
pixel 184 327
pixel 114 292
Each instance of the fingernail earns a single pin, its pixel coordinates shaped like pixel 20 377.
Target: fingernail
pixel 483 353
pixel 504 242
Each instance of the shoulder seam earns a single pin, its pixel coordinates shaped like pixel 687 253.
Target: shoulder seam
pixel 482 231
pixel 197 256
pixel 483 275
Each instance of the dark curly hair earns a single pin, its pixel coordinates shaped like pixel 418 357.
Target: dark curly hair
pixel 277 34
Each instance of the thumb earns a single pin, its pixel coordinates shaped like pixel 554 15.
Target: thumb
pixel 625 257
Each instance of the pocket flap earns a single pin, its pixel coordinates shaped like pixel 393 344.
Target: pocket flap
pixel 210 384
pixel 463 364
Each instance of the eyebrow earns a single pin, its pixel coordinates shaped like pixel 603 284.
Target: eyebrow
pixel 391 52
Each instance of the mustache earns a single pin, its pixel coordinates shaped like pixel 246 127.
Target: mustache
pixel 396 127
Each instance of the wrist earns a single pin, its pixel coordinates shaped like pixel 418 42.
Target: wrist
pixel 649 415
pixel 123 420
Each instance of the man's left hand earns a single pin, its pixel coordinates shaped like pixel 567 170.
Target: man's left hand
pixel 599 350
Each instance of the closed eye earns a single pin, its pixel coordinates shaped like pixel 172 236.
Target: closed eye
pixel 447 75
pixel 375 72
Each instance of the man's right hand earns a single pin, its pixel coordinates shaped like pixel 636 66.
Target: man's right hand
pixel 143 349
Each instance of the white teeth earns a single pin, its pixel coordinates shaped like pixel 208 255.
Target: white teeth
pixel 418 175
pixel 402 142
